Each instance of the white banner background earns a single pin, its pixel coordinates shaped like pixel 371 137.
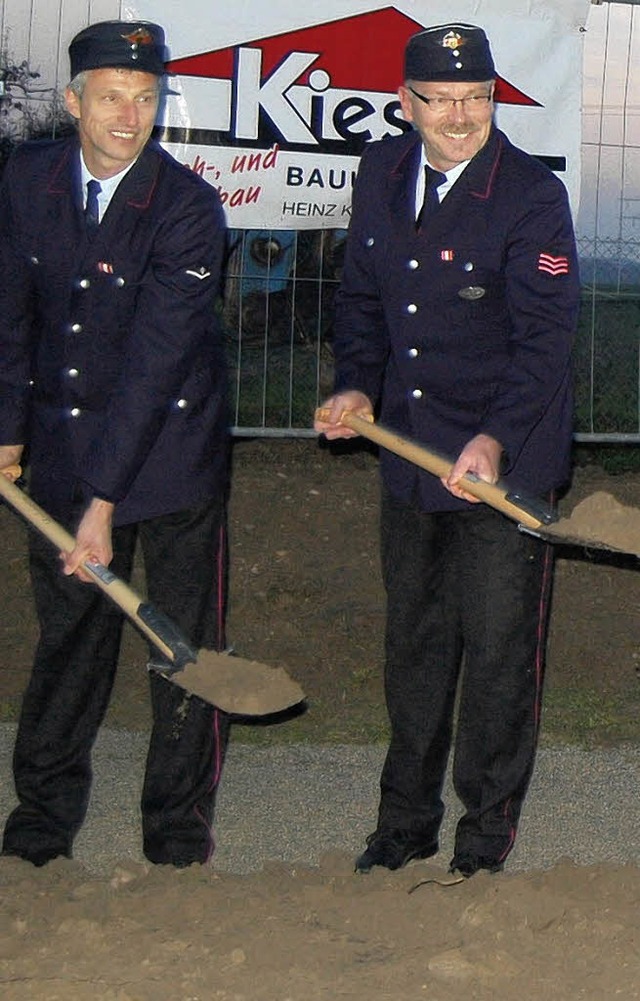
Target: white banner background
pixel 292 181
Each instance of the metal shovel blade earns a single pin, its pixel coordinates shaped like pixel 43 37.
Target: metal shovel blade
pixel 241 687
pixel 600 521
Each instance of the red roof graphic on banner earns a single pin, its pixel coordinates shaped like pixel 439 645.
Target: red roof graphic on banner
pixel 362 52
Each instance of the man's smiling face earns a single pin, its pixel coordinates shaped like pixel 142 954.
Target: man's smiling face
pixel 116 112
pixel 453 119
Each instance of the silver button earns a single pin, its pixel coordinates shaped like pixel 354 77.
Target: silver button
pixel 417 394
pixel 468 266
pixel 84 283
pixel 412 308
pixel 413 264
pixel 413 352
pixel 34 260
pixel 76 328
pixel 370 242
pixel 458 66
pixel 181 404
pixel 75 412
pixel 119 282
pixel 73 373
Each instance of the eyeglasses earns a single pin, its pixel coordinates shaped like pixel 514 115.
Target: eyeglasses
pixel 439 104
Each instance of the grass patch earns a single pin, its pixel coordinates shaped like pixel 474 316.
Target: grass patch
pixel 358 722
pixel 588 717
pixel 581 717
pixel 10 709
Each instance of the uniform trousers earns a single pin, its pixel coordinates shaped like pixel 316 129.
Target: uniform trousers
pixel 71 682
pixel 468 598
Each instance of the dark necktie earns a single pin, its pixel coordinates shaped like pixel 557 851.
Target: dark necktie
pixel 91 214
pixel 433 180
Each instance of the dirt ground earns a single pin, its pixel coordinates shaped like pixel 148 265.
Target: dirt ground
pixel 305 593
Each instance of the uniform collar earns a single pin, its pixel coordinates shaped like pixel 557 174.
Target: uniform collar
pixel 136 184
pixel 475 179
pixel 139 184
pixel 481 165
pixel 108 185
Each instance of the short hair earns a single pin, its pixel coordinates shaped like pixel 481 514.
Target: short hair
pixel 79 81
pixel 77 84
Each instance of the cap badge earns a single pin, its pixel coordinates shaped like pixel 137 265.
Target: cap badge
pixel 139 37
pixel 452 40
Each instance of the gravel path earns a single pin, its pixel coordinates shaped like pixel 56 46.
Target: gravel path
pixel 295 803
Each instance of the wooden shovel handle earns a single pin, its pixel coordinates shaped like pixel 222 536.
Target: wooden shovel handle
pixel 495 495
pixel 116 589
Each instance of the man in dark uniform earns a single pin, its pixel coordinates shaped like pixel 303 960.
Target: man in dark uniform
pixel 455 322
pixel 112 374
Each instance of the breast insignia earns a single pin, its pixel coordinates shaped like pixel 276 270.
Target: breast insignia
pixel 471 292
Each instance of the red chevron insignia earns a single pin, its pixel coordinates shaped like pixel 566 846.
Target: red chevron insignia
pixel 553 265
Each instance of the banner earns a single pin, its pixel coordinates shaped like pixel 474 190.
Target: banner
pixel 273 104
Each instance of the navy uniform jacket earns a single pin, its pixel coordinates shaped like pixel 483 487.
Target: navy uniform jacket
pixel 467 326
pixel 111 360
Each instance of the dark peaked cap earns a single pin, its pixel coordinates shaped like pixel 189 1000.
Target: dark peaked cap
pixel 132 45
pixel 449 52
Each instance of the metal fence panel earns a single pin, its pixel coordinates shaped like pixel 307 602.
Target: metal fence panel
pixel 278 308
pixel 607 355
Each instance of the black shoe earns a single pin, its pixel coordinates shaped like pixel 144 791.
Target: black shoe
pixel 37 857
pixel 469 865
pixel 393 848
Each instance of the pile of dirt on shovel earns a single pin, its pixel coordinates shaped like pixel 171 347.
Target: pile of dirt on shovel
pixel 600 521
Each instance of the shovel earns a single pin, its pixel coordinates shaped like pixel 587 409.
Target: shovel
pixel 618 527
pixel 238 686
